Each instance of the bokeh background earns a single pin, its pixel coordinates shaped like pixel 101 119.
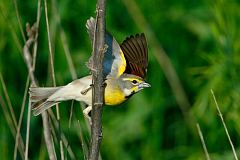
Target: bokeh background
pixel 194 46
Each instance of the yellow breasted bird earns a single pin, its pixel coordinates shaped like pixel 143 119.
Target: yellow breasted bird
pixel 124 66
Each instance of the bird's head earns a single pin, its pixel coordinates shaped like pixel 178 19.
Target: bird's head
pixel 131 84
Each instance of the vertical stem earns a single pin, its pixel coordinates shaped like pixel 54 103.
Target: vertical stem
pixel 28 130
pixel 53 76
pixel 33 82
pixel 98 88
pixel 48 137
pixel 28 59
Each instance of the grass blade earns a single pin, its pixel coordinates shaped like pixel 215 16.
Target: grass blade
pixel 21 118
pixel 224 125
pixel 203 142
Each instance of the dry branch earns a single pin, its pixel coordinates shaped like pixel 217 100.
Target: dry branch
pixel 98 79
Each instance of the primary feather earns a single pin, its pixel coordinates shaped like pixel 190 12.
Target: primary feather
pixel 136 54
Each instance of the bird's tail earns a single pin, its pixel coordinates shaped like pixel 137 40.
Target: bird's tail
pixel 39 98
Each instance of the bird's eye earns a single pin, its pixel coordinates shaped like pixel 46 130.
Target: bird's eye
pixel 134 81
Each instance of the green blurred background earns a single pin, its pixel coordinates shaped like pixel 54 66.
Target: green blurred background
pixel 194 46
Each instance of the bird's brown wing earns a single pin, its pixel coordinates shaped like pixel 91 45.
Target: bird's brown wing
pixel 135 50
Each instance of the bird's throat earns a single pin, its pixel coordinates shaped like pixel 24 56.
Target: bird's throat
pixel 114 96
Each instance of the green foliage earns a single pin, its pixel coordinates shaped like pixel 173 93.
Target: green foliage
pixel 201 39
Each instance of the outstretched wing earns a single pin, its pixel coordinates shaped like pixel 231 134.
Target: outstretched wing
pixel 114 63
pixel 135 50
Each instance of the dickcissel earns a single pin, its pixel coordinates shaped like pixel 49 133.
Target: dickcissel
pixel 125 67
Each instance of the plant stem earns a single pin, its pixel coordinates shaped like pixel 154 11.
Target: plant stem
pixel 98 79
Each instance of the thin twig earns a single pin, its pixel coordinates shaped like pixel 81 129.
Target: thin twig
pixel 21 118
pixel 53 75
pixel 224 125
pixel 33 36
pixel 19 20
pixel 28 130
pixel 98 78
pixel 27 54
pixel 35 45
pixel 47 131
pixel 49 44
pixel 28 61
pixel 203 142
pixel 48 137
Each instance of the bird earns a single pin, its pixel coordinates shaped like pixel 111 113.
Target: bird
pixel 124 66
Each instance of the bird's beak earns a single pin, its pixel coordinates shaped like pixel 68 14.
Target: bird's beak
pixel 144 85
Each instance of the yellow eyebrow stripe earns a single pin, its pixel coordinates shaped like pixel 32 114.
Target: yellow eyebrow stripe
pixel 131 79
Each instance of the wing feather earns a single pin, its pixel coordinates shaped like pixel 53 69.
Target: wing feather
pixel 136 54
pixel 114 63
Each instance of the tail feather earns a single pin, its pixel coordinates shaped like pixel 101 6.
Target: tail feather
pixel 39 98
pixel 43 107
pixel 40 93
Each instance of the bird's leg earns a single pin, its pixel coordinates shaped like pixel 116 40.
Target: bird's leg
pixel 104 85
pixel 84 92
pixel 86 112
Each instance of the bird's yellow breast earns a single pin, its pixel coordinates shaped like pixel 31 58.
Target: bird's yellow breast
pixel 114 96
